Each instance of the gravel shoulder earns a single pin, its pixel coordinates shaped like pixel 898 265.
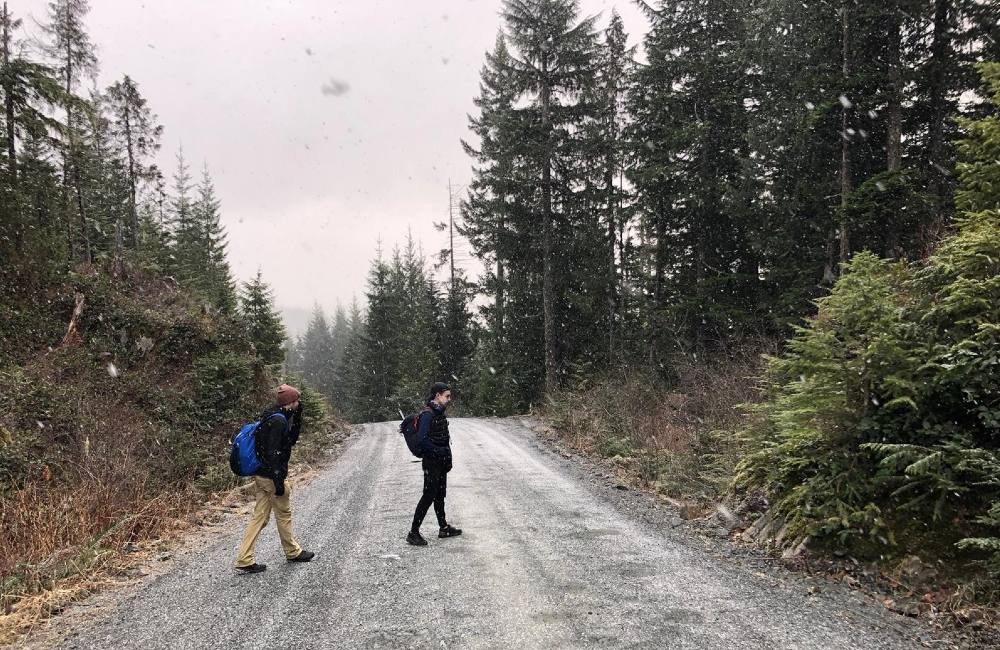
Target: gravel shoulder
pixel 554 556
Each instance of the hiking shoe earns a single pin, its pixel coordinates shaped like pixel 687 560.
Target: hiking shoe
pixel 252 568
pixel 450 531
pixel 304 556
pixel 416 539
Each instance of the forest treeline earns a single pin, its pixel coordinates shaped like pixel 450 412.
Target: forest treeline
pixel 686 197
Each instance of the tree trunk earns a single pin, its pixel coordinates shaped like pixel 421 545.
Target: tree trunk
pixel 612 279
pixel 939 55
pixel 894 119
pixel 81 211
pixel 9 101
pixel 659 272
pixel 18 226
pixel 133 211
pixel 845 143
pixel 548 280
pixel 501 279
pixel 67 153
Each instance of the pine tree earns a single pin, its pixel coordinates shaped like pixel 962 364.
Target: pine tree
pixel 137 134
pixel 692 153
pixel 316 349
pixel 348 398
pixel 419 344
pixel 185 235
pixel 493 216
pixel 29 89
pixel 263 323
pixel 455 327
pixel 340 332
pixel 212 274
pixel 71 49
pixel 608 159
pixel 104 179
pixel 554 61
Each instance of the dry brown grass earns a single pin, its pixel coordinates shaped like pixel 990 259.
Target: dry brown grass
pixel 64 540
pixel 57 531
pixel 677 437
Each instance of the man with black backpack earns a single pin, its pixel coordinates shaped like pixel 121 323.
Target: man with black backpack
pixel 434 445
pixel 277 433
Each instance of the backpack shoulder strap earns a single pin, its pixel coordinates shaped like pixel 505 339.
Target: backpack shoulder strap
pixel 416 418
pixel 279 413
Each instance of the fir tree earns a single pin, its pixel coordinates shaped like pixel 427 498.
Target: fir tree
pixel 137 134
pixel 211 268
pixel 263 323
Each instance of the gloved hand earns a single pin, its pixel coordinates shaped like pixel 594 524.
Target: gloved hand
pixel 279 488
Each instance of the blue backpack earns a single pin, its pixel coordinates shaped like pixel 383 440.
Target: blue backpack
pixel 408 427
pixel 243 457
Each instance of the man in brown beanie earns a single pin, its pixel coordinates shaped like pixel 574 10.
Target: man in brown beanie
pixel 277 434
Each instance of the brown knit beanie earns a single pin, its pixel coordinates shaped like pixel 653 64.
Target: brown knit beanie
pixel 287 394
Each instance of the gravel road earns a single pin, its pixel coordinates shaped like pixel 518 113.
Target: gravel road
pixel 551 558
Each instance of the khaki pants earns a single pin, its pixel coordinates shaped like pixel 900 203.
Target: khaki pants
pixel 266 502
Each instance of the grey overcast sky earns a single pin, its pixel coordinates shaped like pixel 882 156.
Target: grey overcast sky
pixel 326 125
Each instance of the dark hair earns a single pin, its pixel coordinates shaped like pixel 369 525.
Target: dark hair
pixel 436 389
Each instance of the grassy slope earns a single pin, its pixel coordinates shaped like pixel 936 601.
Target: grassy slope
pixel 112 438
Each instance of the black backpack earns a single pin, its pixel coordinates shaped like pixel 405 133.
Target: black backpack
pixel 408 428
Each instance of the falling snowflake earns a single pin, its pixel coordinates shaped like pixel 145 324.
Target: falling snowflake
pixel 810 105
pixel 112 370
pixel 845 102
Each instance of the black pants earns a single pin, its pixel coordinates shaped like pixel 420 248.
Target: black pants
pixel 435 487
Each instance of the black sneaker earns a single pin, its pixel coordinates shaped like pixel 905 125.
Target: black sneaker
pixel 252 568
pixel 304 556
pixel 450 531
pixel 416 539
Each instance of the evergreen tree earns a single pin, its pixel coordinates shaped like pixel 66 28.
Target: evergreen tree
pixel 212 275
pixel 103 177
pixel 264 326
pixel 317 354
pixel 554 63
pixel 419 344
pixel 494 219
pixel 340 332
pixel 70 48
pixel 183 228
pixel 348 398
pixel 29 89
pixel 136 133
pixel 455 327
pixel 382 344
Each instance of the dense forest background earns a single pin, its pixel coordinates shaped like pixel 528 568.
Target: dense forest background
pixel 691 197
